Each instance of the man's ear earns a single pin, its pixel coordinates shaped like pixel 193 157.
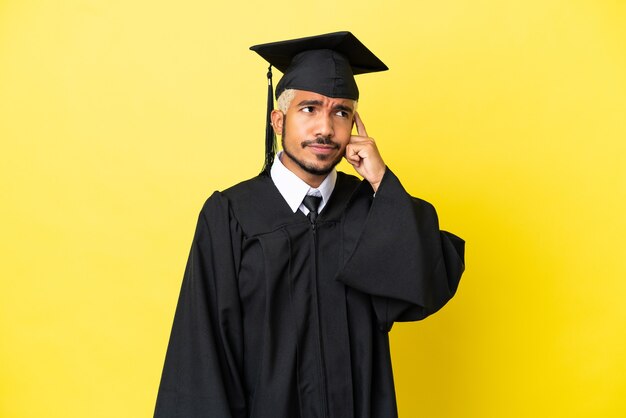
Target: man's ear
pixel 277 121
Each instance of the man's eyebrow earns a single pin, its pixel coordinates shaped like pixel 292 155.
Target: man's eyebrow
pixel 343 107
pixel 310 103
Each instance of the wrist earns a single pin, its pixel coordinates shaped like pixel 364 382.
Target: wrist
pixel 379 178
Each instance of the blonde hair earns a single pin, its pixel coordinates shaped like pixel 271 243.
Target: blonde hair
pixel 285 99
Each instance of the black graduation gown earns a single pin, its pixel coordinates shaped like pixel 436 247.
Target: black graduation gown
pixel 278 318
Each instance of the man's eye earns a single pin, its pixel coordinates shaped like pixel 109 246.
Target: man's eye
pixel 307 109
pixel 342 113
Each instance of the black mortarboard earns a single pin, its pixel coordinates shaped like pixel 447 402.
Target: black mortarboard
pixel 324 64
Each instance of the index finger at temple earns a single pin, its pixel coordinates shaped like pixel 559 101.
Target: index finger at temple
pixel 360 127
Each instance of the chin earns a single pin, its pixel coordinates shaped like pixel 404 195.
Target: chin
pixel 318 167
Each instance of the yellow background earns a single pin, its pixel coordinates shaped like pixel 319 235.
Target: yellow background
pixel 119 117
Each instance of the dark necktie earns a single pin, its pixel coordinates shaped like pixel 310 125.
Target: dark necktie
pixel 312 203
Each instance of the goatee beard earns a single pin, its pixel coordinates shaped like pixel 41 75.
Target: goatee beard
pixel 317 171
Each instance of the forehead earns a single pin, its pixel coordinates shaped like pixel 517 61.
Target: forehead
pixel 304 95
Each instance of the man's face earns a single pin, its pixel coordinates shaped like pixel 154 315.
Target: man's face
pixel 315 132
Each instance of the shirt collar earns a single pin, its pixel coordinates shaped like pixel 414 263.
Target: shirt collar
pixel 293 188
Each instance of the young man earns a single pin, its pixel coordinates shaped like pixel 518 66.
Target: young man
pixel 296 276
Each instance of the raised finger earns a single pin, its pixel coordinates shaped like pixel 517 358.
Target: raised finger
pixel 360 127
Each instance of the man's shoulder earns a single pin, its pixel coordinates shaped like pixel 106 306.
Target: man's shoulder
pixel 248 188
pixel 258 206
pixel 238 192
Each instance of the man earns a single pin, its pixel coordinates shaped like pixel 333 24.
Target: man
pixel 296 276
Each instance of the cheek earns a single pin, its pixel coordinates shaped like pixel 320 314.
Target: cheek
pixel 342 146
pixel 343 133
pixel 297 127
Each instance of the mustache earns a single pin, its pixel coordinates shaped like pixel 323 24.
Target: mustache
pixel 322 140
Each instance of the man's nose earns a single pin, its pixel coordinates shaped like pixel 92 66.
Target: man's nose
pixel 325 126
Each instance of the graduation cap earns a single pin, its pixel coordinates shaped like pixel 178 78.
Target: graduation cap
pixel 324 64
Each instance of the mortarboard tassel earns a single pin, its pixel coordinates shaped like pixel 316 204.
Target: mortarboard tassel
pixel 270 137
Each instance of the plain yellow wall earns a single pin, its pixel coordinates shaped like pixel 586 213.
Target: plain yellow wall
pixel 119 117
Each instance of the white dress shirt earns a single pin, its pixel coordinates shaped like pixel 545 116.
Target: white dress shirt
pixel 294 189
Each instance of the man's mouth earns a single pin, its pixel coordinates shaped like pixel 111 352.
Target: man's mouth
pixel 322 148
pixel 320 144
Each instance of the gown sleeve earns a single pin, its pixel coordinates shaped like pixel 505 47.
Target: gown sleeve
pixel 202 372
pixel 395 252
